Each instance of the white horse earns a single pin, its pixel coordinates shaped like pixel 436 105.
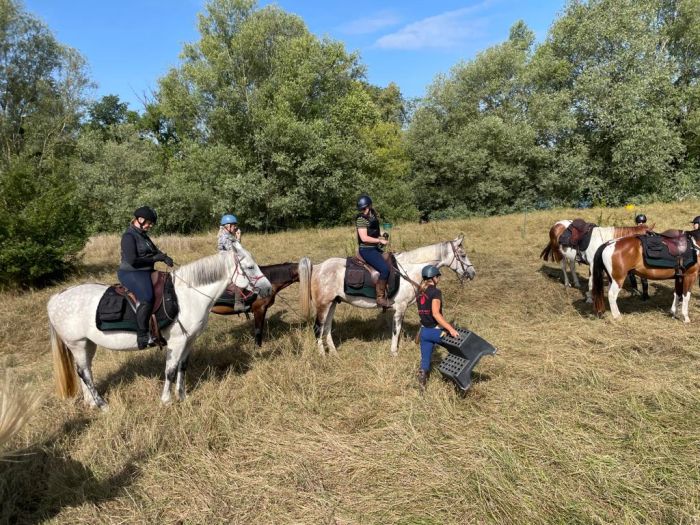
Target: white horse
pixel 323 284
pixel 599 235
pixel 75 336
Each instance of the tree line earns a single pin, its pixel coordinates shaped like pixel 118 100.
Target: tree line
pixel 266 120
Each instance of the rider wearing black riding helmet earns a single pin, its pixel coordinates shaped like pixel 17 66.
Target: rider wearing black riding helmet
pixel 639 220
pixel 696 222
pixel 370 240
pixel 139 255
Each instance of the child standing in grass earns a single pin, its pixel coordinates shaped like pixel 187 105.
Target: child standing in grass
pixel 432 322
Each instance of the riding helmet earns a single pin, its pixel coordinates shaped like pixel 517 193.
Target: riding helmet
pixel 696 220
pixel 228 219
pixel 146 212
pixel 430 271
pixel 364 202
pixel 640 219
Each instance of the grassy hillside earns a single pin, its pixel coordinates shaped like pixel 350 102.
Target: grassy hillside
pixel 575 420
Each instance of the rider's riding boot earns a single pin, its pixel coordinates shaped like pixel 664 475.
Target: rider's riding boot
pixel 422 379
pixel 143 317
pixel 381 295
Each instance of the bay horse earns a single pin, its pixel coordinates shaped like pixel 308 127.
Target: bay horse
pixel 323 284
pixel 618 257
pixel 280 276
pixel 75 336
pixel 555 252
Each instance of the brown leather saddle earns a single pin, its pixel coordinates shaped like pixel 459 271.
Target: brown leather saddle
pixel 358 260
pixel 579 229
pixel 157 279
pixel 676 241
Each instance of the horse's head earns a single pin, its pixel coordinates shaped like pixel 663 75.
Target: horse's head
pixel 247 274
pixel 458 260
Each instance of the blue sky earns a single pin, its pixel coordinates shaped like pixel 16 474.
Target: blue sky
pixel 129 44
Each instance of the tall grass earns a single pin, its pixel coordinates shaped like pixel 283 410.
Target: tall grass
pixel 576 420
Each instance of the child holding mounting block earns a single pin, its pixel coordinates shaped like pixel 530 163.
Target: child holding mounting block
pixel 429 301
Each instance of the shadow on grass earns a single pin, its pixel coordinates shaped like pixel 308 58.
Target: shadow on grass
pixel 37 482
pixel 370 330
pixel 661 297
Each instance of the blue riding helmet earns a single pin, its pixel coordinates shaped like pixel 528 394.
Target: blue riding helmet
pixel 430 271
pixel 364 202
pixel 228 219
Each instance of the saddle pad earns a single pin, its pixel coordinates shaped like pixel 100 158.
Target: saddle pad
pixel 113 314
pixel 358 281
pixel 585 241
pixel 236 301
pixel 656 254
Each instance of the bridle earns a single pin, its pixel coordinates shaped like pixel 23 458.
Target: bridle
pixel 463 265
pixel 237 269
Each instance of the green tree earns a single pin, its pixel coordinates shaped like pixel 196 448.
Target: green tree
pixel 292 110
pixel 42 225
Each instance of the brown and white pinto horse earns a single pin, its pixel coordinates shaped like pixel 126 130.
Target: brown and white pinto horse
pixel 599 235
pixel 324 285
pixel 617 258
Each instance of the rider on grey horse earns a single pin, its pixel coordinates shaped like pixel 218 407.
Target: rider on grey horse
pixel 370 240
pixel 139 255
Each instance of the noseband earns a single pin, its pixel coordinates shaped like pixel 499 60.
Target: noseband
pixel 463 265
pixel 252 282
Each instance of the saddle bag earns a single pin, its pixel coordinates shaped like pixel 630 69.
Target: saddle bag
pixel 111 306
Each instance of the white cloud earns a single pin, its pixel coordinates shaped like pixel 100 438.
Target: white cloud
pixel 370 24
pixel 446 30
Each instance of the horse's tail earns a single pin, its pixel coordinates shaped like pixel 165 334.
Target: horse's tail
pixel 63 367
pixel 305 269
pixel 547 253
pixel 16 406
pixel 551 252
pixel 598 269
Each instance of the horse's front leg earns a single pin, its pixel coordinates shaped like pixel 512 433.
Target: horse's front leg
pixel 399 314
pixel 574 275
pixel 686 301
pixel 181 372
pixel 172 365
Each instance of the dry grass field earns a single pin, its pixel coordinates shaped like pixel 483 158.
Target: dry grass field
pixel 575 420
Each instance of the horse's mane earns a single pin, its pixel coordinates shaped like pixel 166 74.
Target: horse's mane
pixel 278 273
pixel 203 271
pixel 424 254
pixel 624 231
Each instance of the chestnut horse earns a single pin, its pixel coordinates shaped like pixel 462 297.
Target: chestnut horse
pixel 620 256
pixel 599 235
pixel 280 276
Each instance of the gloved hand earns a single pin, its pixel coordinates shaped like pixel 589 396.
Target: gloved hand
pixel 162 257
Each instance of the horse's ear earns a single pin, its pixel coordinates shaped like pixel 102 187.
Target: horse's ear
pixel 459 238
pixel 652 226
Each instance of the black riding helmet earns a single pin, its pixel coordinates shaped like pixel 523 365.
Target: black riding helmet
pixel 696 220
pixel 364 202
pixel 146 212
pixel 640 219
